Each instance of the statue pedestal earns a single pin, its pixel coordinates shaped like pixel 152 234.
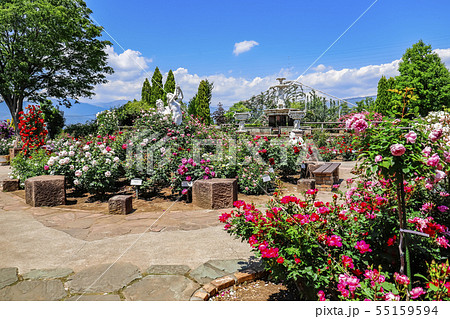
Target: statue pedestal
pixel 279 117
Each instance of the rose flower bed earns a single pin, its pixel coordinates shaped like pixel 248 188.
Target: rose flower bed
pixel 386 238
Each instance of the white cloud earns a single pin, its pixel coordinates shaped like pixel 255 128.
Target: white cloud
pixel 244 46
pixel 444 54
pixel 126 82
pixel 321 68
pixel 130 71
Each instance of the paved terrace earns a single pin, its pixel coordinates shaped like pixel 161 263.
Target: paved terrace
pixel 65 254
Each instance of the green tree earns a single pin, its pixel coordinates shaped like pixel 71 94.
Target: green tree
pixel 423 70
pixel 130 111
pixel 203 101
pixel 169 86
pixel 146 91
pixel 49 48
pixel 219 115
pixel 192 106
pixel 53 117
pixel 238 107
pixel 367 104
pixel 383 96
pixel 157 91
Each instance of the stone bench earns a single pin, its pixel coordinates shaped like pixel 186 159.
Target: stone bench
pixel 327 174
pixel 215 193
pixel 120 204
pixel 46 190
pixel 9 185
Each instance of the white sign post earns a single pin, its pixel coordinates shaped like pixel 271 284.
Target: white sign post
pixel 136 182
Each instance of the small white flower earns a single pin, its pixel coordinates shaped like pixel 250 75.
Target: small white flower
pixel 76 182
pixel 86 147
pixel 108 161
pixel 104 152
pixel 94 162
pixel 72 167
pixel 71 153
pixel 116 159
pixel 87 154
pixel 85 168
pixel 107 173
pixel 78 173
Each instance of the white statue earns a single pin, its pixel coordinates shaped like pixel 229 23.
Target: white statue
pixel 174 104
pixel 160 107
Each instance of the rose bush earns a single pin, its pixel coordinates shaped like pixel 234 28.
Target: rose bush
pixel 32 129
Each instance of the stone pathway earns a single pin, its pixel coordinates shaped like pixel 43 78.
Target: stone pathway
pixel 65 254
pixel 116 282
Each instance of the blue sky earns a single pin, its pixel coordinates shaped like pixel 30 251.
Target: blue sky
pixel 198 40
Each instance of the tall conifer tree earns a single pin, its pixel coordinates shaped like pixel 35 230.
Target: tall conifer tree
pixel 146 91
pixel 203 101
pixel 157 91
pixel 169 86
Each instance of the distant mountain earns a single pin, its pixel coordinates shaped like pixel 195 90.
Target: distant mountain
pixel 353 100
pixel 77 113
pixel 109 105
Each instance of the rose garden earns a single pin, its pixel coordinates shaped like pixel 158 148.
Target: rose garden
pixel 381 235
pixel 333 200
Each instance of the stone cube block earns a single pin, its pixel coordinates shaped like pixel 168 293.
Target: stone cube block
pixel 120 204
pixel 47 190
pixel 305 184
pixel 9 185
pixel 216 193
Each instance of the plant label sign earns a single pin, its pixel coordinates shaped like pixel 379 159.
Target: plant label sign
pixel 271 170
pixel 186 184
pixel 266 178
pixel 136 182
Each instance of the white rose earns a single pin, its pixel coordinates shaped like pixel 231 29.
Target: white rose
pixel 94 162
pixel 85 168
pixel 107 173
pixel 86 147
pixel 108 161
pixel 104 152
pixel 78 173
pixel 72 167
pixel 76 182
pixel 71 153
pixel 87 154
pixel 116 159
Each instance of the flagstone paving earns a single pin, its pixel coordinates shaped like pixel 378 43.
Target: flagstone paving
pixel 61 253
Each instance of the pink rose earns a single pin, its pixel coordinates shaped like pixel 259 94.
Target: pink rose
pixel 360 126
pixel 426 151
pixel 447 156
pixel 440 175
pixel 46 167
pixel 416 292
pixel 435 135
pixel 433 160
pixel 397 149
pixel 378 158
pixel 411 137
pixel 184 191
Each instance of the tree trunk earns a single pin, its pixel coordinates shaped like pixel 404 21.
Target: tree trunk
pixel 15 105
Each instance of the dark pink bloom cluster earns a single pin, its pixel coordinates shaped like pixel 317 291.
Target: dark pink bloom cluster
pixel 334 241
pixel 363 247
pixel 401 279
